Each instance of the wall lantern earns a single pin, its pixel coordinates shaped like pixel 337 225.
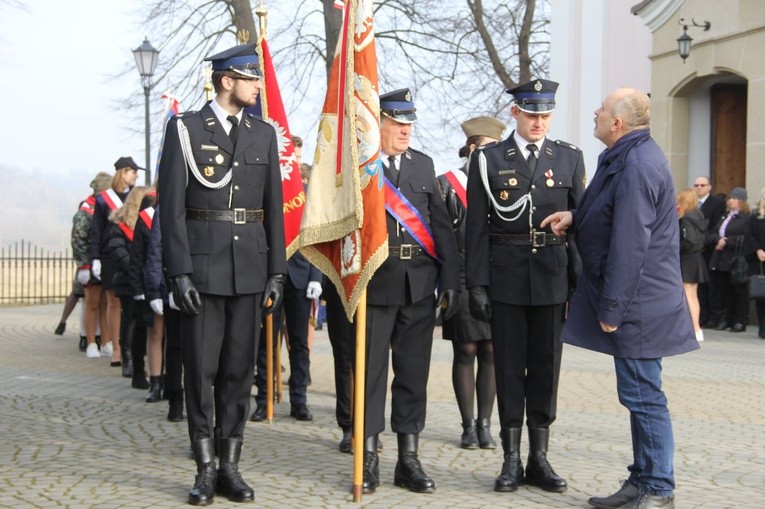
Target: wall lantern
pixel 684 41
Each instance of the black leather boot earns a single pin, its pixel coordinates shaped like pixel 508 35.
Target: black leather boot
pixel 371 466
pixel 230 483
pixel 485 441
pixel 203 491
pixel 539 473
pixel 127 363
pixel 469 439
pixel 139 374
pixel 155 389
pixel 409 473
pixel 512 468
pixel 175 412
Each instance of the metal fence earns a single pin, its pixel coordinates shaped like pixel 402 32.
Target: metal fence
pixel 32 275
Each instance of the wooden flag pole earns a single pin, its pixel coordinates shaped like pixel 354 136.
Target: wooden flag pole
pixel 278 364
pixel 270 366
pixel 359 385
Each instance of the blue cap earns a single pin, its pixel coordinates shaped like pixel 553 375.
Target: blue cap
pixel 242 59
pixel 398 105
pixel 536 96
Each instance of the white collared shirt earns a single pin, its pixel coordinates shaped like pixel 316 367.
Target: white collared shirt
pixel 223 114
pixel 522 145
pixel 385 157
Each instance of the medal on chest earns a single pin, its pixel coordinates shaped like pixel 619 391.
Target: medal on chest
pixel 549 182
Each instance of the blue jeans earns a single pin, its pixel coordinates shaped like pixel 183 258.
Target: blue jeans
pixel 638 384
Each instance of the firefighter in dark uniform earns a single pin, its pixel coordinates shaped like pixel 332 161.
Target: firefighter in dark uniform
pixel 223 248
pixel 520 277
pixel 401 298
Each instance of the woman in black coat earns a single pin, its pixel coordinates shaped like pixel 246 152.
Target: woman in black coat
pixel 693 231
pixel 729 238
pixel 119 240
pixel 756 246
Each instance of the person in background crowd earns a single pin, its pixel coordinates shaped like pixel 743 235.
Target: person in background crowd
pixel 630 301
pixel 342 335
pixel 89 315
pixel 521 276
pixel 401 299
pixel 471 338
pixel 713 208
pixel 120 238
pixel 102 268
pixel 693 232
pixel 756 244
pixel 223 247
pixel 147 302
pixel 729 238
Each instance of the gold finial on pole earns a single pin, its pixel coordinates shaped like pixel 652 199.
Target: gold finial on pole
pixel 262 14
pixel 208 86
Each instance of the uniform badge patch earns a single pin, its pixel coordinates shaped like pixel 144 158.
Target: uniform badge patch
pixel 504 195
pixel 513 182
pixel 219 159
pixel 209 171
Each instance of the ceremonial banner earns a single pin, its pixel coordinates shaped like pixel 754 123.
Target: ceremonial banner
pixel 343 231
pixel 271 109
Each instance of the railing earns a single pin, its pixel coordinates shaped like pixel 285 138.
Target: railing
pixel 31 275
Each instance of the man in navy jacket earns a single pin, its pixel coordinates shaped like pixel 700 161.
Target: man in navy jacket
pixel 629 302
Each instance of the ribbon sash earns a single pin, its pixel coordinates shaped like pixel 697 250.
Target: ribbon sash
pixel 455 178
pixel 410 218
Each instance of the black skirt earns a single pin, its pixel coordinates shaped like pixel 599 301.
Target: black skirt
pixel 464 328
pixel 693 268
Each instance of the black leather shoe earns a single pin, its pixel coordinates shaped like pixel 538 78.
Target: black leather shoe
pixel 738 327
pixel 301 413
pixel 626 494
pixel 722 326
pixel 539 473
pixel 469 438
pixel 175 412
pixel 230 483
pixel 259 414
pixel 647 501
pixel 346 444
pixel 155 390
pixel 83 343
pixel 139 381
pixel 60 329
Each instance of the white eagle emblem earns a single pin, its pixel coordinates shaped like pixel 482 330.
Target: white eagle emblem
pixel 285 162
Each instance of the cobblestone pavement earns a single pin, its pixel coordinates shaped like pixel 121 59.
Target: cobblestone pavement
pixel 74 434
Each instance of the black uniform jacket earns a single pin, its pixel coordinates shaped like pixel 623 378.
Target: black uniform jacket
pixel 521 274
pixel 223 258
pixel 417 182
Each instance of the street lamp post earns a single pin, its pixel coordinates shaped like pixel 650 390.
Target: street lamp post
pixel 146 61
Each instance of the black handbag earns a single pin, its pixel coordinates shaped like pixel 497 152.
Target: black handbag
pixel 757 285
pixel 739 267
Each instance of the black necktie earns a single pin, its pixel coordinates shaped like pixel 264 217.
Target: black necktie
pixel 234 128
pixel 393 169
pixel 532 160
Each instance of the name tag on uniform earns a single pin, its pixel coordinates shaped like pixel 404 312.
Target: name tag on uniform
pixel 213 148
pixel 506 172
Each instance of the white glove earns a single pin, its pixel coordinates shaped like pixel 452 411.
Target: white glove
pixel 156 306
pixel 171 301
pixel 83 276
pixel 139 297
pixel 96 269
pixel 314 290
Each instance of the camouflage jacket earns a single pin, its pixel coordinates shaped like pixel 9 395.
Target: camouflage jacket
pixel 81 232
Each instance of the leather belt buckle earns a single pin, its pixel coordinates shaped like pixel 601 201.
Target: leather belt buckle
pixel 240 217
pixel 405 252
pixel 537 238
